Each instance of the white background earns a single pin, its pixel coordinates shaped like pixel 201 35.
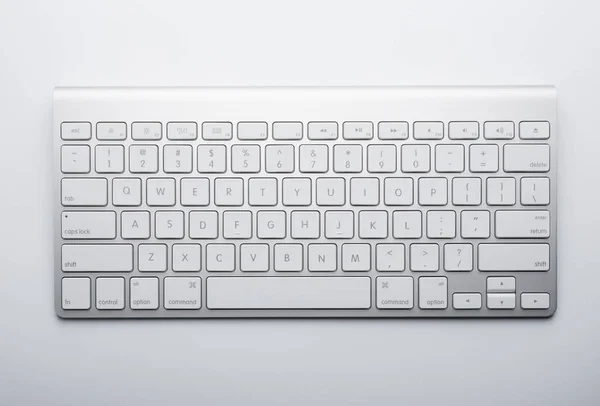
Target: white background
pixel 45 360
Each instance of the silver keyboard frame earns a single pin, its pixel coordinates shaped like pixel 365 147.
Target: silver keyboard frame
pixel 307 104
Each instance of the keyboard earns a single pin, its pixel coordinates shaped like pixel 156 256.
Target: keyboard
pixel 305 202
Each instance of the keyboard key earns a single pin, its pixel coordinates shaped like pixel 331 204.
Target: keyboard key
pixel 463 130
pixel 187 258
pixel 475 224
pixel 217 131
pixel 466 191
pixel 237 224
pixel 289 257
pixel 146 131
pixel 195 192
pixel 143 293
pixel 143 159
pixel 433 293
pixel 204 224
pixel 220 257
pixel 535 191
pixel 89 225
pixel 322 257
pixel 522 224
pixel 441 224
pixel 245 158
pixel 395 292
pixel 526 158
pixel 331 191
pixel 390 257
pixel 287 131
pixel 426 130
pixel 177 159
pixel 501 301
pixel 424 258
pixel 152 257
pixel 466 301
pixel 314 158
pixel 70 131
pixel 381 158
pixel 499 130
pixel 514 257
pixel 183 293
pixel 296 192
pixel 534 130
pixel 305 224
pixel 501 191
pixel 483 158
pixel 501 284
pixel 433 191
pixel 356 257
pixel 111 131
pixel 84 192
pixel 252 130
pixel 279 158
pixel 169 225
pixel 458 257
pixel 449 158
pixel 229 191
pixel 160 192
pixel 135 225
pixel 127 191
pixel 358 130
pixel 110 293
pixel 398 191
pixel 416 158
pixel 254 258
pixel 339 224
pixel 76 293
pixel 110 159
pixel 97 258
pixel 212 158
pixel 262 191
pixel 407 224
pixel 364 191
pixel 347 158
pixel 393 130
pixel 372 224
pixel 288 293
pixel 327 130
pixel 75 159
pixel 271 224
pixel 535 301
pixel 182 131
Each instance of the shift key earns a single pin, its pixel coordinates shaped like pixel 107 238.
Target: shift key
pixel 97 258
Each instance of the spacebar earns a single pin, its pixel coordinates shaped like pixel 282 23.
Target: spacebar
pixel 266 292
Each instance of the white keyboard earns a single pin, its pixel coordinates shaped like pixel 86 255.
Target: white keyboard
pixel 305 202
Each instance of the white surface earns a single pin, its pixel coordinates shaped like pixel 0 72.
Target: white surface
pixel 259 362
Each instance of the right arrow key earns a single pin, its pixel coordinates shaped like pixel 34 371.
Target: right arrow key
pixel 535 300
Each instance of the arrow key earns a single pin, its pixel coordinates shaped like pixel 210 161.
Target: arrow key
pixel 466 301
pixel 535 300
pixel 501 284
pixel 501 301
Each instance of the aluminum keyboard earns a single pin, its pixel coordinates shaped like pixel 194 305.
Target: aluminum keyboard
pixel 305 202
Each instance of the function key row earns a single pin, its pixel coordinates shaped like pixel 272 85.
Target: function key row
pixel 316 130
